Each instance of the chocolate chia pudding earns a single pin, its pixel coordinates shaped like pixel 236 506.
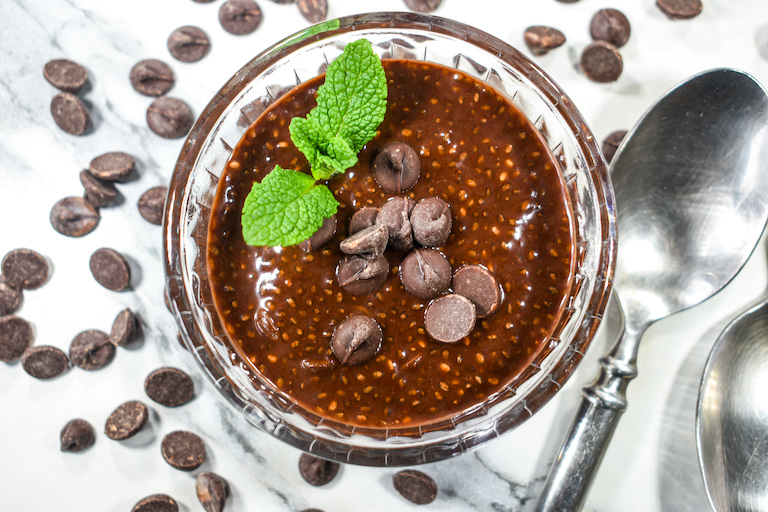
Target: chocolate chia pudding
pixel 510 215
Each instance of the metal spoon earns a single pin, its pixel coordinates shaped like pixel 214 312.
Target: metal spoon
pixel 732 416
pixel 690 184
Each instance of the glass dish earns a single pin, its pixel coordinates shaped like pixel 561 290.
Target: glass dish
pixel 304 56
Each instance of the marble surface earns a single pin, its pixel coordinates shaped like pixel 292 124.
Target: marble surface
pixel 651 465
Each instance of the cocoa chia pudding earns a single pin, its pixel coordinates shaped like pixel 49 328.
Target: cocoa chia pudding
pixel 510 216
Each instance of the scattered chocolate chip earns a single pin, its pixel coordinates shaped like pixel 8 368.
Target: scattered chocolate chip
pixel 601 62
pixel 396 167
pixel 44 362
pixel 680 9
pixel 74 216
pixel 110 269
pixel 423 5
pixel 113 166
pixel 371 241
pixel 70 113
pixel 65 75
pixel 540 40
pixel 183 450
pixel 169 118
pixel 25 269
pixel 152 77
pixel 212 491
pixel 612 26
pixel 76 436
pixel 314 11
pixel 356 339
pixel 358 275
pixel 395 216
pixel 612 143
pixel 240 17
pixel 126 420
pixel 170 387
pixel 152 203
pixel 124 328
pixel 98 193
pixel 10 297
pixel 363 218
pixel 480 286
pixel 15 337
pixel 425 273
pixel 317 471
pixel 157 502
pixel 188 44
pixel 431 222
pixel 450 318
pixel 321 237
pixel 415 486
pixel 91 350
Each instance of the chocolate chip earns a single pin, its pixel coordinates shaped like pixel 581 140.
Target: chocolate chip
pixel 169 118
pixel 395 216
pixel 152 203
pixel 356 339
pixel 97 192
pixel 358 275
pixel 110 269
pixel 612 143
pixel 112 166
pixel 65 75
pixel 314 11
pixel 70 113
pixel 423 5
pixel 183 450
pixel 25 269
pixel 371 241
pixel 212 491
pixel 74 216
pixel 415 486
pixel 124 328
pixel 601 62
pixel 425 273
pixel 10 297
pixel 680 9
pixel 317 471
pixel 152 77
pixel 44 362
pixel 170 387
pixel 610 25
pixel 450 318
pixel 431 222
pixel 91 350
pixel 126 420
pixel 363 218
pixel 76 436
pixel 321 237
pixel 15 337
pixel 396 167
pixel 157 502
pixel 480 286
pixel 240 17
pixel 188 44
pixel 540 40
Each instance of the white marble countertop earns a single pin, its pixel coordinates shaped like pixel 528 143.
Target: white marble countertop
pixel 651 465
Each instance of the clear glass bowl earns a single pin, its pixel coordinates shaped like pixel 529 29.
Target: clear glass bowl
pixel 304 56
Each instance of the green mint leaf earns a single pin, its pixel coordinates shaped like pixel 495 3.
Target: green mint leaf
pixel 326 157
pixel 286 208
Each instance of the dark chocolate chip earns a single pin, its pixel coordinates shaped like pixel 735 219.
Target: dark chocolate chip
pixel 314 11
pixel 124 328
pixel 450 318
pixel 212 491
pixel 395 216
pixel 239 17
pixel 25 269
pixel 91 350
pixel 363 218
pixel 97 192
pixel 44 362
pixel 110 269
pixel 170 387
pixel 425 273
pixel 157 502
pixel 76 436
pixel 612 143
pixel 396 167
pixel 74 216
pixel 680 9
pixel 371 241
pixel 112 166
pixel 601 62
pixel 317 471
pixel 152 203
pixel 15 337
pixel 70 113
pixel 152 77
pixel 183 450
pixel 321 237
pixel 540 40
pixel 431 222
pixel 415 486
pixel 358 275
pixel 169 118
pixel 10 297
pixel 610 25
pixel 65 75
pixel 423 5
pixel 188 44
pixel 480 286
pixel 126 420
pixel 356 339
